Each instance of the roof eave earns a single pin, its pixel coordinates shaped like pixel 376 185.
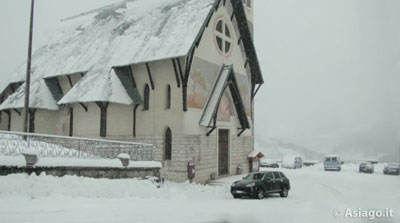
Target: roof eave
pixel 248 43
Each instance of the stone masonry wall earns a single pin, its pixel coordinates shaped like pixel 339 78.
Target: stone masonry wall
pixel 202 150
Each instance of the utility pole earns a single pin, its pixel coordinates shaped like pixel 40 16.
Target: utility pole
pixel 28 71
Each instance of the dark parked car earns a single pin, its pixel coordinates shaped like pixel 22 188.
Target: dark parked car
pixel 366 167
pixel 270 165
pixel 260 184
pixel 392 169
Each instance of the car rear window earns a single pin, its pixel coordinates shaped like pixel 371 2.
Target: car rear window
pixel 282 175
pixel 276 175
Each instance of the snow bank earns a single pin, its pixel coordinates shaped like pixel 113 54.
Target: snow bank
pixel 314 195
pixel 32 186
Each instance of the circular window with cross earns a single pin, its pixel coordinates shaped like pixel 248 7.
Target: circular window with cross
pixel 223 37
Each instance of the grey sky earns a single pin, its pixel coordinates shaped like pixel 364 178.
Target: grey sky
pixel 332 71
pixel 332 68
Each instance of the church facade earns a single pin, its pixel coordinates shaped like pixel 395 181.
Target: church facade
pixel 182 76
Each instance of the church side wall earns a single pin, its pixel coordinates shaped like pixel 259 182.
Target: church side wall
pixel 16 121
pixel 156 120
pixel 4 122
pixel 45 121
pixel 86 124
pixel 119 120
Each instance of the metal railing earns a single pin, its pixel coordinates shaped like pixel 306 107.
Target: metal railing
pixel 14 143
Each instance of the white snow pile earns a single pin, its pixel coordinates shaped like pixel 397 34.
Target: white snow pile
pixel 123 34
pixel 32 186
pixel 124 156
pixel 253 154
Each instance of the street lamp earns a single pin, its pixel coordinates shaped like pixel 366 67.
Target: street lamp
pixel 28 71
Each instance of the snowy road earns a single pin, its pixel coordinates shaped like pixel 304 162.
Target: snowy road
pixel 314 197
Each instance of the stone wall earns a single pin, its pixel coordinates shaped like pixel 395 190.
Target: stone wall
pixel 202 150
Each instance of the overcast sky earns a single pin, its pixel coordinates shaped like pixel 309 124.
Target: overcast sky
pixel 331 68
pixel 332 72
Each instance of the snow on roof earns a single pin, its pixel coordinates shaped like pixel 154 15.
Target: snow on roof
pixel 40 97
pixel 255 153
pixel 98 88
pixel 215 96
pixel 128 33
pixel 332 155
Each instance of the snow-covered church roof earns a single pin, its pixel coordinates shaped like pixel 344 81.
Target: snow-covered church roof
pixel 131 32
pixel 42 100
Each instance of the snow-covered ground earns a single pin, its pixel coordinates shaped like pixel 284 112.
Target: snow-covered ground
pixel 314 197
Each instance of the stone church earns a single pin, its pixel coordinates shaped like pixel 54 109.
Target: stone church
pixel 179 74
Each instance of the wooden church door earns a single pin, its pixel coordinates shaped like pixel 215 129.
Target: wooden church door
pixel 223 151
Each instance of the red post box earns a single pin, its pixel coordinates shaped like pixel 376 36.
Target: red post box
pixel 191 170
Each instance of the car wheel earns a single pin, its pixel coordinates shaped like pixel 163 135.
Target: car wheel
pixel 284 192
pixel 260 194
pixel 236 196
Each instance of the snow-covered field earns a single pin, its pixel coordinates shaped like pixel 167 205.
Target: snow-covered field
pixel 314 197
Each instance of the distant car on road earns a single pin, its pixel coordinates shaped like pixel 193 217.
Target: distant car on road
pixel 292 162
pixel 366 167
pixel 260 184
pixel 392 169
pixel 332 162
pixel 269 165
pixel 310 162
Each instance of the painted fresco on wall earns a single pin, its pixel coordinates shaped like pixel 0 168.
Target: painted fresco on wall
pixel 198 90
pixel 225 109
pixel 201 82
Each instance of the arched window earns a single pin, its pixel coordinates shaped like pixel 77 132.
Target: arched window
pixel 168 145
pixel 168 101
pixel 146 103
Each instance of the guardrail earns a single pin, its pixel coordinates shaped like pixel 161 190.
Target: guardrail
pixel 14 143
